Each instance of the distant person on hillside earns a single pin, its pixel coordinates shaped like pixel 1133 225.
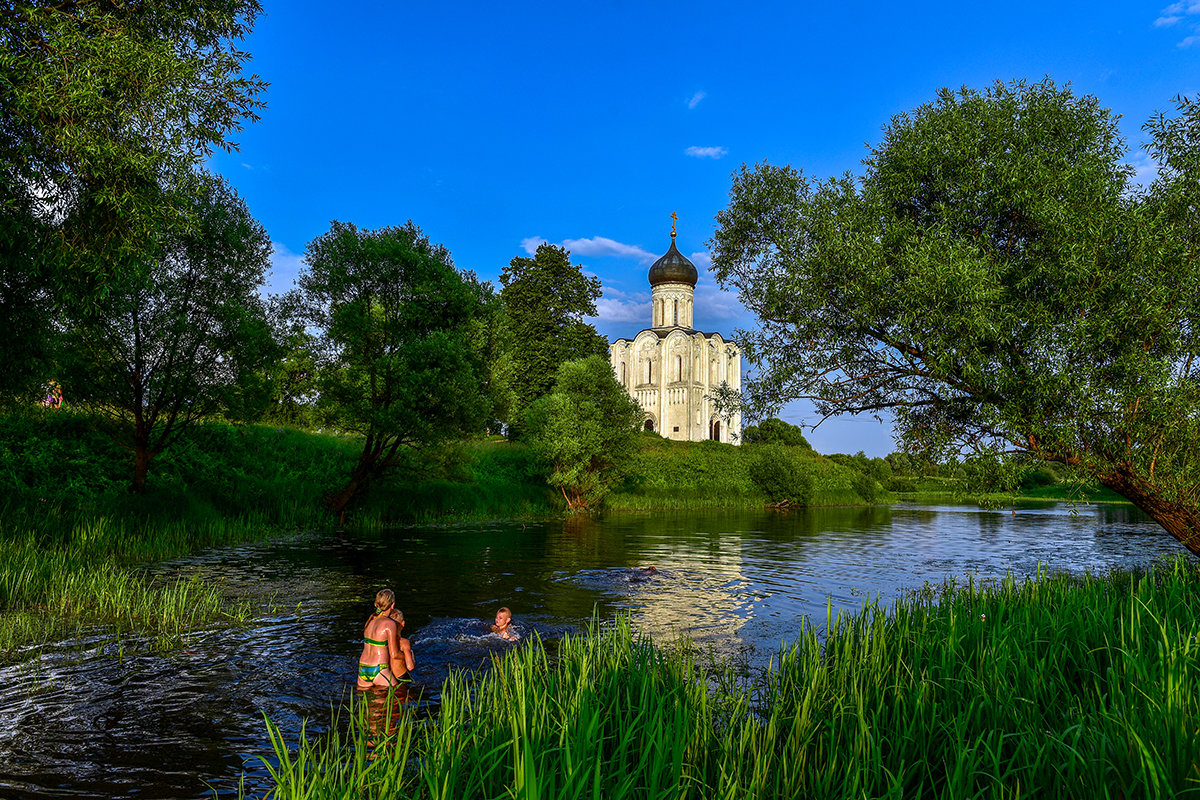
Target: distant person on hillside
pixel 503 626
pixel 54 395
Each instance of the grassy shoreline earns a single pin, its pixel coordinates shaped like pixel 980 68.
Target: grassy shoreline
pixel 1055 686
pixel 71 533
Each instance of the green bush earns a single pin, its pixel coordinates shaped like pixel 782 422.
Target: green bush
pixel 866 487
pixel 775 431
pixel 781 476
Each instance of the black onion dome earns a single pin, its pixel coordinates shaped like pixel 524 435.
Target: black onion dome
pixel 673 268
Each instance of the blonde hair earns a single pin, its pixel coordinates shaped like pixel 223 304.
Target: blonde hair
pixel 384 600
pixel 504 610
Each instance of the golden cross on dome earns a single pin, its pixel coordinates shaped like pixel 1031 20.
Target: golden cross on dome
pixel 674 217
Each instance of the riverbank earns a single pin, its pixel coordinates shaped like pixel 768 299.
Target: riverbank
pixel 72 535
pixel 1057 686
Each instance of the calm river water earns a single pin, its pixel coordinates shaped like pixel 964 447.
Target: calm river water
pixel 105 718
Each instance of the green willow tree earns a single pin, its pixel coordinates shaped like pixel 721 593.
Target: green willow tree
pixel 398 344
pixel 585 430
pixel 184 337
pixel 102 104
pixel 545 299
pixel 996 281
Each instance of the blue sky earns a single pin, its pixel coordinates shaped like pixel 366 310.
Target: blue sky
pixel 497 126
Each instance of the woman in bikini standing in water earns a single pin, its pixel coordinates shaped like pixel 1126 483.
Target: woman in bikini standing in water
pixel 383 647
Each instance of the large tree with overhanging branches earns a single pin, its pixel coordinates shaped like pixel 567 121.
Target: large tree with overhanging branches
pixel 398 346
pixel 996 280
pixel 104 104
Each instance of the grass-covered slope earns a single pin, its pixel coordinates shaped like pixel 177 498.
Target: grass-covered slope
pixel 715 475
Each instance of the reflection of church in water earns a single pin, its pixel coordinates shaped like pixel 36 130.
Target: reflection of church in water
pixel 671 368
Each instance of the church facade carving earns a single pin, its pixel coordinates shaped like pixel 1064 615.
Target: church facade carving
pixel 670 368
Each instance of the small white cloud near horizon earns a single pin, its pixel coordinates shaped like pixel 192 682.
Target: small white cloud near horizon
pixel 695 99
pixel 705 152
pixel 603 246
pixel 592 246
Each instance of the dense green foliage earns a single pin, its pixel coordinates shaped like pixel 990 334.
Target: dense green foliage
pixel 545 299
pixel 399 365
pixel 1058 686
pixel 101 105
pixel 970 280
pixel 710 474
pixel 775 431
pixel 782 475
pixel 585 430
pixel 183 337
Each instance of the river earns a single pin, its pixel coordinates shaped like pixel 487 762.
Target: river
pixel 106 718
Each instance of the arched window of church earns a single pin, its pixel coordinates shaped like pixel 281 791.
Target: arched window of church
pixel 675 311
pixel 622 372
pixel 679 367
pixel 649 371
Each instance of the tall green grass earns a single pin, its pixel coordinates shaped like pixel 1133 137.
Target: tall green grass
pixel 48 593
pixel 1054 687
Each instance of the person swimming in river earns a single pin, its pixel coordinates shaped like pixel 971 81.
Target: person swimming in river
pixel 503 626
pixel 642 574
pixel 387 657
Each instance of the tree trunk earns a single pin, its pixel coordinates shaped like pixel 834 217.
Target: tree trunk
pixel 141 466
pixel 360 479
pixel 1179 519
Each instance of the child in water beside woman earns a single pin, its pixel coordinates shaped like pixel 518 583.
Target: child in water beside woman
pixel 387 657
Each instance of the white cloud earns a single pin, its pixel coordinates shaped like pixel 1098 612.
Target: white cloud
pixel 617 306
pixel 530 243
pixel 1145 169
pixel 713 303
pixel 695 100
pixel 285 268
pixel 706 152
pixel 247 166
pixel 602 246
pixel 1174 14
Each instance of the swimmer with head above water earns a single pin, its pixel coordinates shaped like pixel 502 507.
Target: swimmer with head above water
pixel 642 574
pixel 503 626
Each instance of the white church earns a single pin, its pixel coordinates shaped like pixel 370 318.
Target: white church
pixel 671 368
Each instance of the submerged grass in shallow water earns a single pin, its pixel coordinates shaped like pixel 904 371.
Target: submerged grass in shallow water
pixel 1055 687
pixel 52 588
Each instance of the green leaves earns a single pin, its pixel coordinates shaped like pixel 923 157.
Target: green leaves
pixel 400 359
pixel 993 279
pixel 545 299
pixel 585 430
pixel 183 336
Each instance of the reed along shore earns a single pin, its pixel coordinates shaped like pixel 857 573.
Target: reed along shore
pixel 1056 686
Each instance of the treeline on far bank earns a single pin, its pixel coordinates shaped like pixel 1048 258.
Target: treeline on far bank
pixel 56 469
